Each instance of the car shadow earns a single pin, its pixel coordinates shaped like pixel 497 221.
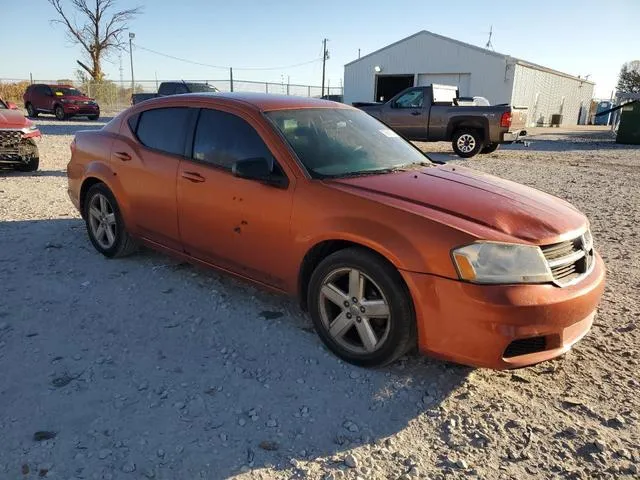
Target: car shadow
pixel 8 172
pixel 218 376
pixel 51 126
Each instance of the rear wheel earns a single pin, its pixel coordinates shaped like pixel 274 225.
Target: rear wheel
pixel 31 111
pixel 361 308
pixel 492 147
pixel 467 143
pixel 59 112
pixel 105 226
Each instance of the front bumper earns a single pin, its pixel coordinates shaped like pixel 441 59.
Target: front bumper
pixel 16 148
pixel 81 109
pixel 502 326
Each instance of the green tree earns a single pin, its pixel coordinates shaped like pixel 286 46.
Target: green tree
pixel 629 78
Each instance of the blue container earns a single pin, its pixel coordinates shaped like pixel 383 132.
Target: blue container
pixel 602 106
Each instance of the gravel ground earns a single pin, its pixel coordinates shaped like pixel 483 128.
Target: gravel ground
pixel 150 368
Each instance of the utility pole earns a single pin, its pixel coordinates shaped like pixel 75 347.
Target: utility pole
pixel 231 78
pixel 131 37
pixel 325 57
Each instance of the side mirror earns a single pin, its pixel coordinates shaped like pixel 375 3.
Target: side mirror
pixel 12 106
pixel 258 169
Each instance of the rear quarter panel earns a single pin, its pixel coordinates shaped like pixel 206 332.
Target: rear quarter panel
pixel 91 159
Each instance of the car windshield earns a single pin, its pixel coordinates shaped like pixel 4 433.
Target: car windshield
pixel 201 88
pixel 344 142
pixel 67 92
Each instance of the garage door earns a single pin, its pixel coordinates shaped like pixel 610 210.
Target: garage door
pixel 461 80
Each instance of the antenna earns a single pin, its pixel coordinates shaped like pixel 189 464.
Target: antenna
pixel 489 45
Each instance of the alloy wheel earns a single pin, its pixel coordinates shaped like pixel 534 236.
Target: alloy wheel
pixel 102 221
pixel 354 310
pixel 466 143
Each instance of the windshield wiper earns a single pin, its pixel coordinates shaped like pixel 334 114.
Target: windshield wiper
pixel 362 173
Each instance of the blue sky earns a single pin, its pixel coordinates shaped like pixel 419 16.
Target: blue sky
pixel 577 37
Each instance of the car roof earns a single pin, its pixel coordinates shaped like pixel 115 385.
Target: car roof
pixel 261 101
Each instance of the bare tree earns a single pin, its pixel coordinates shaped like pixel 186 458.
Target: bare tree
pixel 99 30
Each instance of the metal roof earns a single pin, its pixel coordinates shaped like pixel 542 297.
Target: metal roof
pixel 507 58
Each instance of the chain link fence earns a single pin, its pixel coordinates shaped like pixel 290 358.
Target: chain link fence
pixel 115 95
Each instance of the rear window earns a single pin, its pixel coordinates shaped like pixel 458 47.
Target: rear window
pixel 163 129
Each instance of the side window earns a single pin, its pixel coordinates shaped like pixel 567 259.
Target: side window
pixel 411 99
pixel 180 89
pixel 164 129
pixel 223 138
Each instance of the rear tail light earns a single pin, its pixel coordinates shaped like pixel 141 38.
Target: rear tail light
pixel 505 120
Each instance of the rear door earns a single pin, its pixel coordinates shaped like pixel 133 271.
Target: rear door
pixel 408 115
pixel 237 224
pixel 145 158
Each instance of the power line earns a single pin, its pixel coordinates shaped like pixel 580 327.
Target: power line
pixel 225 67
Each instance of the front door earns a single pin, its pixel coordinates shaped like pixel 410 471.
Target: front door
pixel 237 224
pixel 407 115
pixel 146 159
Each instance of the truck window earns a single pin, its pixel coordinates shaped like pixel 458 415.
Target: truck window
pixel 167 88
pixel 411 99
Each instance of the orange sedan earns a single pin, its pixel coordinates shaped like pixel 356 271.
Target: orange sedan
pixel 385 249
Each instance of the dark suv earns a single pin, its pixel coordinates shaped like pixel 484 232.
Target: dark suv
pixel 63 101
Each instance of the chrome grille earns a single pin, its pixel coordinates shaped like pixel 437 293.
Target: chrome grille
pixel 570 260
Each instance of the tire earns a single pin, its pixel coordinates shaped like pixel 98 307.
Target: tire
pixel 59 112
pixel 394 334
pixel 93 117
pixel 31 165
pixel 119 243
pixel 467 143
pixel 31 111
pixel 492 147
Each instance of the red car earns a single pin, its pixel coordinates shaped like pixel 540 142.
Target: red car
pixel 63 101
pixel 17 139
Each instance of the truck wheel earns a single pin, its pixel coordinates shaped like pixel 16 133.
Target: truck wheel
pixel 59 111
pixel 492 147
pixel 31 111
pixel 467 143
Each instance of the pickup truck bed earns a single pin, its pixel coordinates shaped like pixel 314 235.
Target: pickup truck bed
pixel 431 114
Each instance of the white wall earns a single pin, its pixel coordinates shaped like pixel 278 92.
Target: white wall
pixel 425 53
pixel 460 80
pixel 543 93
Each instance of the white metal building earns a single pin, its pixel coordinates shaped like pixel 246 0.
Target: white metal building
pixel 426 58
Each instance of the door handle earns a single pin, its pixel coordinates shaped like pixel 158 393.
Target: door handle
pixel 124 156
pixel 193 177
pixel 416 113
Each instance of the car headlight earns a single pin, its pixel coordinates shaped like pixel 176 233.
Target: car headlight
pixel 494 262
pixel 30 128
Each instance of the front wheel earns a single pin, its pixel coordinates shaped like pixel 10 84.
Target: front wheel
pixel 59 112
pixel 492 147
pixel 361 308
pixel 93 117
pixel 105 226
pixel 467 143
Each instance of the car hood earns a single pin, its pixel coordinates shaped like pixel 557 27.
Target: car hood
pixel 504 206
pixel 13 119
